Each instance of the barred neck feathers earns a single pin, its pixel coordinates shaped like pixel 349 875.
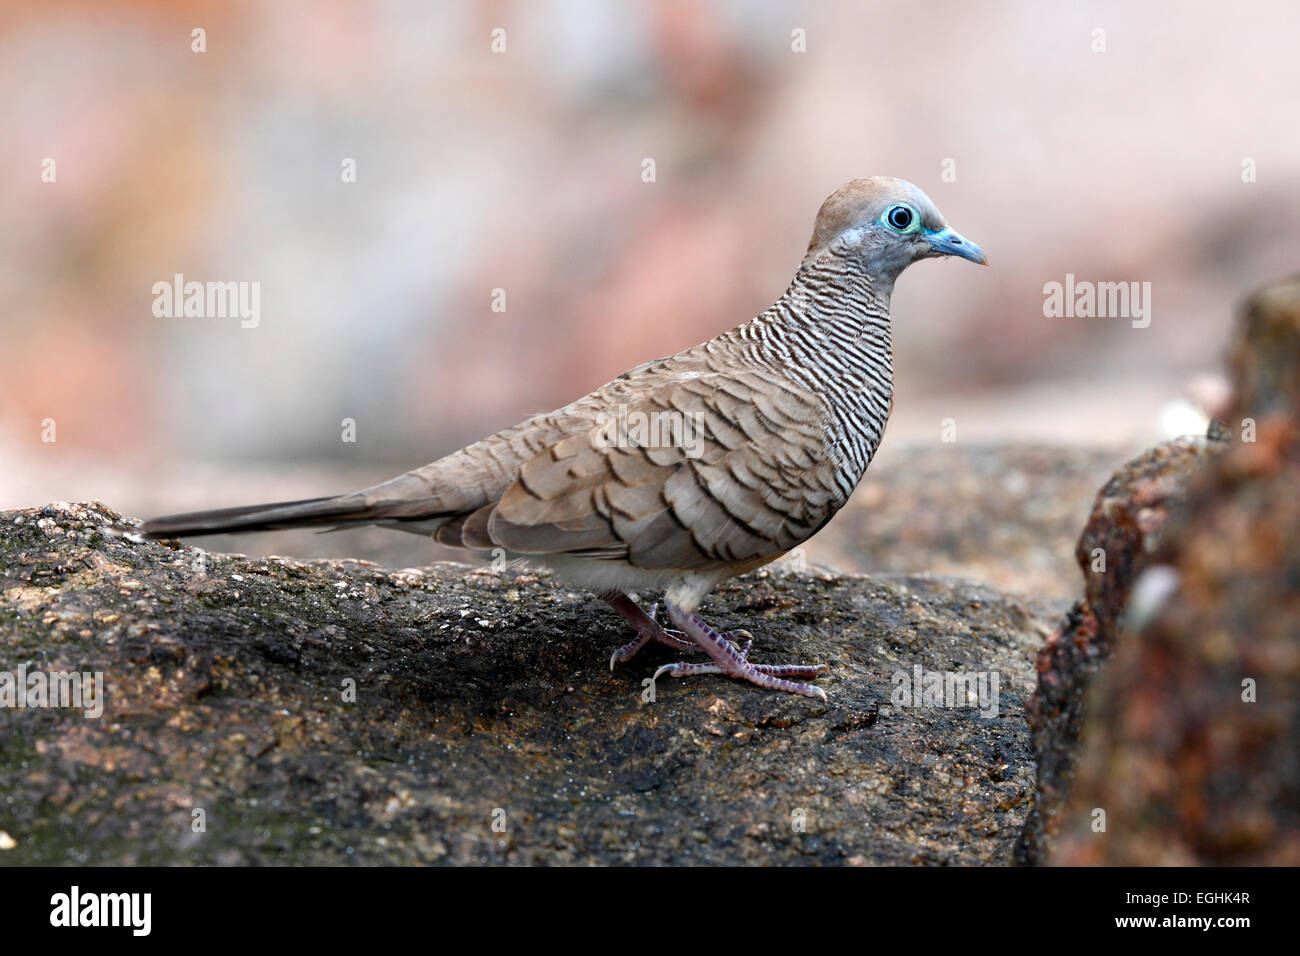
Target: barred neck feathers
pixel 830 333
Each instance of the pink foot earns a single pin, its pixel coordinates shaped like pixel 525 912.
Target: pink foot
pixel 733 661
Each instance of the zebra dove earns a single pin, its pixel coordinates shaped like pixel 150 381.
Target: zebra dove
pixel 690 469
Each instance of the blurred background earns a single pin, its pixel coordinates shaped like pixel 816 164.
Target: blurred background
pixel 1151 143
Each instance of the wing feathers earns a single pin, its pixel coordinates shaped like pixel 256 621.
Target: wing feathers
pixel 731 468
pixel 756 483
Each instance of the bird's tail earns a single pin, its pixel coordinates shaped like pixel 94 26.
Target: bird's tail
pixel 309 512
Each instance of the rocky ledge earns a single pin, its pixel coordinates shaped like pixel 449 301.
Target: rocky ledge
pixel 278 711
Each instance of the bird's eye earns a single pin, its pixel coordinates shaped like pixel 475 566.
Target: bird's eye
pixel 902 219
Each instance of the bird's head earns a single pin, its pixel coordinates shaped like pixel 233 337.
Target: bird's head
pixel 884 225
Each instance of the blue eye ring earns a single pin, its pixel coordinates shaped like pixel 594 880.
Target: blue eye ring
pixel 902 218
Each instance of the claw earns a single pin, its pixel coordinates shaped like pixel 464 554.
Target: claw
pixel 730 658
pixel 647 629
pixel 733 661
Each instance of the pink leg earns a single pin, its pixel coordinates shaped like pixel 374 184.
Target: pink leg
pixel 647 628
pixel 734 662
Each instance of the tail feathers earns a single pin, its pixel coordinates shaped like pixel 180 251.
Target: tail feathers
pixel 268 517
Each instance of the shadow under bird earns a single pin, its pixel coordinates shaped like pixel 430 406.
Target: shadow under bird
pixel 771 426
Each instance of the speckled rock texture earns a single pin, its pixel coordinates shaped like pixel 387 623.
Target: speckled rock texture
pixel 1127 520
pixel 329 712
pixel 1192 743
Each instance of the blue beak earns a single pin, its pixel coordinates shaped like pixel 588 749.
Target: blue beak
pixel 949 242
